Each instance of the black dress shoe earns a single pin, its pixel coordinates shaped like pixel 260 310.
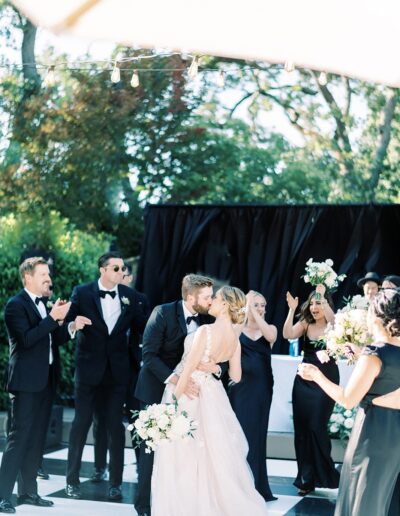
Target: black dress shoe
pixel 99 475
pixel 115 494
pixel 34 499
pixel 42 474
pixel 6 506
pixel 73 491
pixel 305 492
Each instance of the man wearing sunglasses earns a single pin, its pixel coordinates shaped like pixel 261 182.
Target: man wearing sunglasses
pixel 101 314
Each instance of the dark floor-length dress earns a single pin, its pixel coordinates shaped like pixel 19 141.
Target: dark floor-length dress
pixel 371 464
pixel 312 409
pixel 251 401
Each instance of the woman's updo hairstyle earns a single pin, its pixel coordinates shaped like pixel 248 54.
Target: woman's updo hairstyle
pixel 236 301
pixel 386 306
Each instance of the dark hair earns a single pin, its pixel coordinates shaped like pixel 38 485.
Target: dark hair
pixel 393 279
pixel 128 269
pixel 386 306
pixel 104 258
pixel 305 313
pixel 28 266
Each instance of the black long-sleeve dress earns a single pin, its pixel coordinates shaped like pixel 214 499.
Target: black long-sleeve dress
pixel 251 401
pixel 312 409
pixel 369 483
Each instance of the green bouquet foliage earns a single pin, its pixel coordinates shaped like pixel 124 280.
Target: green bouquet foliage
pixel 75 255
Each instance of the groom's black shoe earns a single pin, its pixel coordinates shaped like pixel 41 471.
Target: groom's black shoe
pixel 34 499
pixel 144 514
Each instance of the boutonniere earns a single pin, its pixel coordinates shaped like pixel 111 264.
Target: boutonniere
pixel 125 301
pixel 49 305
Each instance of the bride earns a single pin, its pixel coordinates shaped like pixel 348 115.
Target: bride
pixel 207 475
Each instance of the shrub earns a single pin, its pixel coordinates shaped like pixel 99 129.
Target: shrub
pixel 75 255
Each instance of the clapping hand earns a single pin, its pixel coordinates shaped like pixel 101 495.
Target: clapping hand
pixel 292 301
pixel 308 372
pixel 59 310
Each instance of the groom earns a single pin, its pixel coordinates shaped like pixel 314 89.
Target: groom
pixel 163 341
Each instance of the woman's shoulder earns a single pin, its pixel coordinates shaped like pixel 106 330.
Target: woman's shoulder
pixel 375 349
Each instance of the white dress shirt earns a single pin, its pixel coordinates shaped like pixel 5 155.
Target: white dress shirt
pixel 192 327
pixel 111 307
pixel 43 313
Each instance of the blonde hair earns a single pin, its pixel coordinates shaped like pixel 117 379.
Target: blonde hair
pixel 236 301
pixel 28 266
pixel 192 283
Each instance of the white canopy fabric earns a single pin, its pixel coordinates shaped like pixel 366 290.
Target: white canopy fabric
pixel 356 38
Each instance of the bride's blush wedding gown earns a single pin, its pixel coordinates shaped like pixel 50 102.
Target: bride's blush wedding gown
pixel 207 475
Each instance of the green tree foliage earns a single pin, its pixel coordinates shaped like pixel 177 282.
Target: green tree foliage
pixel 75 257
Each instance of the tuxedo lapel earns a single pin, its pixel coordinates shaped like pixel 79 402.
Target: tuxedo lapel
pixel 181 317
pixel 28 301
pixel 96 299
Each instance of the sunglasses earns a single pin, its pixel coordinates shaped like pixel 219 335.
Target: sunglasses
pixel 116 268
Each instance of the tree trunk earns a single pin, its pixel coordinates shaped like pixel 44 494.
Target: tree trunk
pixel 383 141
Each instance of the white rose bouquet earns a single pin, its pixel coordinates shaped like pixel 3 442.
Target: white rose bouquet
pixel 160 423
pixel 348 335
pixel 321 273
pixel 341 422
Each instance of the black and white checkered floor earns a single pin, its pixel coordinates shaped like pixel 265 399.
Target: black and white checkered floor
pixel 94 502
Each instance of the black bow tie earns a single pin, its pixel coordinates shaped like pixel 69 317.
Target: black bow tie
pixel 191 318
pixel 42 299
pixel 103 293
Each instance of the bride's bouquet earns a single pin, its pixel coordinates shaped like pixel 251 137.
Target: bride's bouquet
pixel 348 334
pixel 321 273
pixel 160 423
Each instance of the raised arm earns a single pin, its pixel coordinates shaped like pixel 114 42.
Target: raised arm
pixel 364 374
pixel 328 312
pixel 192 360
pixel 290 330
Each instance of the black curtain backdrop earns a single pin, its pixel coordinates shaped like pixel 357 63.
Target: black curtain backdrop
pixel 265 248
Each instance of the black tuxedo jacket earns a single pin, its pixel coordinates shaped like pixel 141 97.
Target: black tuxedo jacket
pixel 163 340
pixel 135 335
pixel 28 366
pixel 95 346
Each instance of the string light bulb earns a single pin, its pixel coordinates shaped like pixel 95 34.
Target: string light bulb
pixel 50 78
pixel 220 79
pixel 194 68
pixel 289 66
pixel 323 79
pixel 135 79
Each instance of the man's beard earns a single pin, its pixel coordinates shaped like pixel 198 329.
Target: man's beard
pixel 200 309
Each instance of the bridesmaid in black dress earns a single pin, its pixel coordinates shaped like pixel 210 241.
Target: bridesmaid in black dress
pixel 312 408
pixel 251 397
pixel 372 461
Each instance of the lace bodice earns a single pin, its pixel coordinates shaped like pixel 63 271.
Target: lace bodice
pixel 188 346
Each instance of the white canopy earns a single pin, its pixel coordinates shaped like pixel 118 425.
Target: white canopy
pixel 357 38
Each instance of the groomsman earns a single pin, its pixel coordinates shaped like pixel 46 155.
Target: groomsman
pixel 131 403
pixel 163 341
pixel 34 336
pixel 101 313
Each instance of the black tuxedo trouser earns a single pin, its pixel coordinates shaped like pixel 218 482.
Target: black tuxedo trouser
pixel 30 415
pixel 145 470
pixel 100 436
pixel 112 397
